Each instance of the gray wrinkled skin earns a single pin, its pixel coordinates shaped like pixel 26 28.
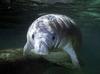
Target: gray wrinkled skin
pixel 54 37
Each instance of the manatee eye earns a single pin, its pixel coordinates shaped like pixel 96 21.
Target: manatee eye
pixel 33 36
pixel 53 37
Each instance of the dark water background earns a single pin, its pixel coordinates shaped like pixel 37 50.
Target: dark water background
pixel 15 22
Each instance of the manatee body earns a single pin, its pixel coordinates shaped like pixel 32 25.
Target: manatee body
pixel 55 37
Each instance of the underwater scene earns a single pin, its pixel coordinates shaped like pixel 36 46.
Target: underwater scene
pixel 17 15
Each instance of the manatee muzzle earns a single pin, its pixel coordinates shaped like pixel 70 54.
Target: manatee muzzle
pixel 40 48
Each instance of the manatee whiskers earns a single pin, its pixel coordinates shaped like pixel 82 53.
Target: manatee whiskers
pixel 54 37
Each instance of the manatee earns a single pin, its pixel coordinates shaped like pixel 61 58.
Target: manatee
pixel 56 38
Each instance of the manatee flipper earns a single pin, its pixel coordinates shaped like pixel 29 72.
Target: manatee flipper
pixel 70 50
pixel 60 58
pixel 63 59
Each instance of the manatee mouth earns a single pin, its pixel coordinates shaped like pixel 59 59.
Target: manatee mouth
pixel 41 49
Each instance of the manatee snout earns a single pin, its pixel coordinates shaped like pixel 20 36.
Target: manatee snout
pixel 40 47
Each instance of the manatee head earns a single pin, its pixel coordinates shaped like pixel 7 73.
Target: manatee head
pixel 41 37
pixel 42 41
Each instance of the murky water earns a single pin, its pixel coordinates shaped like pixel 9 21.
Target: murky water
pixel 88 19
